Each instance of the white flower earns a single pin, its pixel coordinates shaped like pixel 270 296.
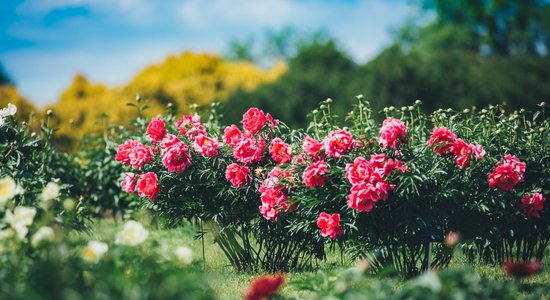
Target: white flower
pixel 8 190
pixel 8 111
pixel 94 251
pixel 132 234
pixel 20 219
pixel 184 254
pixel 44 235
pixel 50 191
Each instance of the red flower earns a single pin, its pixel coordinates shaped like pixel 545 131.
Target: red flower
pixel 521 269
pixel 532 205
pixel 504 177
pixel 123 151
pixel 329 225
pixel 280 151
pixel 249 150
pixel 140 155
pixel 191 126
pixel 156 130
pixel 442 139
pixel 312 147
pixel 147 186
pixel 169 141
pixel 337 142
pixel 359 171
pixel 128 184
pixel 254 120
pixel 264 287
pixel 237 175
pixel 393 133
pixel 232 135
pixel 508 173
pixel 315 174
pixel 205 146
pixel 462 152
pixel 518 165
pixel 175 158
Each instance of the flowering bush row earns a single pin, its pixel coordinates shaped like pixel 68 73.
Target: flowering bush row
pixel 331 181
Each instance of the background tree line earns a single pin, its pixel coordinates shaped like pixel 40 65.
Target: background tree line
pixel 469 53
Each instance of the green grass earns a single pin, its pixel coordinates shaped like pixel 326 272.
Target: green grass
pixel 230 284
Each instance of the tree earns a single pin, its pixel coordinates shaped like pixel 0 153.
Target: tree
pixel 497 27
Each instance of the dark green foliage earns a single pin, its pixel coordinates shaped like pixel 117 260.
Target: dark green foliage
pixel 317 72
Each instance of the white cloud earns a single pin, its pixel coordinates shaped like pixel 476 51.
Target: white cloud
pixel 211 14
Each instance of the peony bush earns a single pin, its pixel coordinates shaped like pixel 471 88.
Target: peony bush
pixel 273 197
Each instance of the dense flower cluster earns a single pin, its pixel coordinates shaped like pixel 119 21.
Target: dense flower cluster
pixel 369 184
pixel 174 153
pixel 507 173
pixel 444 141
pixel 274 194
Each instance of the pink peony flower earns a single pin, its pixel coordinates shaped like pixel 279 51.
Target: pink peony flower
pixel 329 225
pixel 269 212
pixel 169 141
pixel 205 146
pixel 249 150
pixel 359 171
pixel 232 135
pixel 237 175
pixel 191 126
pixel 128 183
pixel 254 120
pixel 147 186
pixel 312 147
pixel 442 139
pixel 175 158
pixel 337 142
pixel 517 164
pixel 363 196
pixel 280 151
pixel 156 130
pixel 264 287
pixel 504 177
pixel 508 173
pixel 314 175
pixel 140 155
pixel 479 152
pixel 393 133
pixel 462 152
pixel 123 151
pixel 531 205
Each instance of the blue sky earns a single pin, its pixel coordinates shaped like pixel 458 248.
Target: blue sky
pixel 43 43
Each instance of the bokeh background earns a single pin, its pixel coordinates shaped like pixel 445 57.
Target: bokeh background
pixel 86 59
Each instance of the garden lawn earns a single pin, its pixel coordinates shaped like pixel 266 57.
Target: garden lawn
pixel 230 284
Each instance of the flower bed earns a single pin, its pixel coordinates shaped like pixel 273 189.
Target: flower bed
pixel 274 197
